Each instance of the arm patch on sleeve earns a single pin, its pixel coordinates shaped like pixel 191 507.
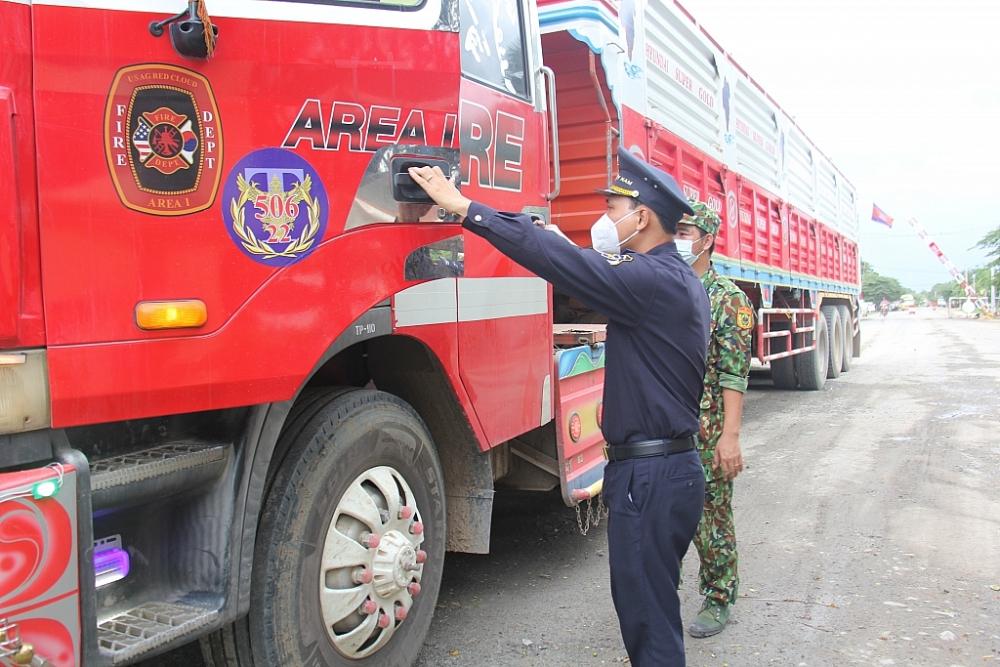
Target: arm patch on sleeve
pixel 615 259
pixel 744 318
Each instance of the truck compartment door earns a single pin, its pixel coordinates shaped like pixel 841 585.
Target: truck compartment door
pixel 579 410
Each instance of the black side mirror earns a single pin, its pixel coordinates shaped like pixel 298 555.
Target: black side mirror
pixel 404 188
pixel 187 32
pixel 188 38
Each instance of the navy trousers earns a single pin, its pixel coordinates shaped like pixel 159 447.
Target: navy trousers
pixel 654 507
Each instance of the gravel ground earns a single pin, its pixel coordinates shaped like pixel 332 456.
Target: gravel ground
pixel 868 520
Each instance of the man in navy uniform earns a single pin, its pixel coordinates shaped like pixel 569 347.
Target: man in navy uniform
pixel 658 319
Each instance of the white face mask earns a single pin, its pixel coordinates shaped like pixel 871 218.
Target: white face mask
pixel 685 248
pixel 604 234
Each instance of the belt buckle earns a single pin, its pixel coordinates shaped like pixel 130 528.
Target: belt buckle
pixel 607 454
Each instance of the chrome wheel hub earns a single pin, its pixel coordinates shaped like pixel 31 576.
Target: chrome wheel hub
pixel 372 563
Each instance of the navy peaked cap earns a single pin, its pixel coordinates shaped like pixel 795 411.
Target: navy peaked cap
pixel 650 186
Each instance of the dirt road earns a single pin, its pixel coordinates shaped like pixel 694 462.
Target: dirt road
pixel 868 520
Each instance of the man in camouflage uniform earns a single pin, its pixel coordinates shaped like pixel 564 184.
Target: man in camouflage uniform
pixel 721 413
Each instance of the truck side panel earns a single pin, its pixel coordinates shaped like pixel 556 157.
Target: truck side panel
pixel 21 320
pixel 113 238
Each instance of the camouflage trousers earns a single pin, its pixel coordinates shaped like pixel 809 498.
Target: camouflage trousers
pixel 715 541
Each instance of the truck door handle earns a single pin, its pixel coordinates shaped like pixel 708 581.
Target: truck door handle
pixel 404 188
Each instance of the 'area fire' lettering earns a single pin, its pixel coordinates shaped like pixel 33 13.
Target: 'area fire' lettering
pixel 492 142
pixel 492 147
pixel 350 126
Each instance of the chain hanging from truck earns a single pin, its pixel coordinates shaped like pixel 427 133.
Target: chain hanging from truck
pixel 592 514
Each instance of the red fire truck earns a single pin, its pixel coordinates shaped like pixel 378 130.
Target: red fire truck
pixel 252 386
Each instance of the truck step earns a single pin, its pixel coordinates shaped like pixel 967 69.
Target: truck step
pixel 148 627
pixel 156 472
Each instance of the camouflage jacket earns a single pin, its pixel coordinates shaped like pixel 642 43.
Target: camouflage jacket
pixel 728 362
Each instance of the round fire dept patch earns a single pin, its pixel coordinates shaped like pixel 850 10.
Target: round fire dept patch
pixel 274 206
pixel 163 139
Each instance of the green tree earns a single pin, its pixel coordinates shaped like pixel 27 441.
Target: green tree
pixel 946 290
pixel 991 244
pixel 985 276
pixel 876 287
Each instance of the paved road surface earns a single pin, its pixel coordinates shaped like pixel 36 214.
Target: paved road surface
pixel 868 520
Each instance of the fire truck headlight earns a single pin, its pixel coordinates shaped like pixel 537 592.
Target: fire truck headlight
pixel 24 391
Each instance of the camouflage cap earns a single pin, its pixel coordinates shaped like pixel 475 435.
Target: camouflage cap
pixel 704 218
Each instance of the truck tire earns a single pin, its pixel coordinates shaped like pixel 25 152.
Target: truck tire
pixel 856 347
pixel 324 590
pixel 848 323
pixel 835 332
pixel 782 370
pixel 810 367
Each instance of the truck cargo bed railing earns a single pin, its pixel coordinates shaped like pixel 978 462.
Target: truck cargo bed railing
pixel 764 331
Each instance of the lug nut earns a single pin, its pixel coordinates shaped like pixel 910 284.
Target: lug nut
pixel 414 589
pixel 368 607
pixel 362 575
pixel 371 540
pixel 421 556
pixel 417 528
pixel 383 620
pixel 400 613
pixel 405 512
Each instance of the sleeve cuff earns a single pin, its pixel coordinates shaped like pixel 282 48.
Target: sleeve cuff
pixel 479 215
pixel 734 382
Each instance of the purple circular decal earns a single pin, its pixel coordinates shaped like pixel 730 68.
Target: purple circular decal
pixel 274 206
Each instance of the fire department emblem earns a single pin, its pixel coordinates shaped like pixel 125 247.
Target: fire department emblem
pixel 275 207
pixel 163 139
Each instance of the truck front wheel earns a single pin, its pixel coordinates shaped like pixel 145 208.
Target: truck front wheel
pixel 351 541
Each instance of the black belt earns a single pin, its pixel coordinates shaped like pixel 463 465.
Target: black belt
pixel 647 448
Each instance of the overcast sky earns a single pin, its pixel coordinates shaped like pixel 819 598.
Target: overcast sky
pixel 903 95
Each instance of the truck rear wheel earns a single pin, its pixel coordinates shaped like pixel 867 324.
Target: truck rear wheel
pixel 848 323
pixel 856 352
pixel 782 370
pixel 810 367
pixel 835 332
pixel 351 542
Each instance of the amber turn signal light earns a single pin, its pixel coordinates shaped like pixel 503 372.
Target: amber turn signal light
pixel 184 314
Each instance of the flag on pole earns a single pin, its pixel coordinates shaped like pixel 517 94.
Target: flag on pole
pixel 878 215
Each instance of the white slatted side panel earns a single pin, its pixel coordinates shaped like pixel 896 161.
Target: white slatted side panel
pixel 682 80
pixel 848 215
pixel 755 133
pixel 827 198
pixel 800 176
